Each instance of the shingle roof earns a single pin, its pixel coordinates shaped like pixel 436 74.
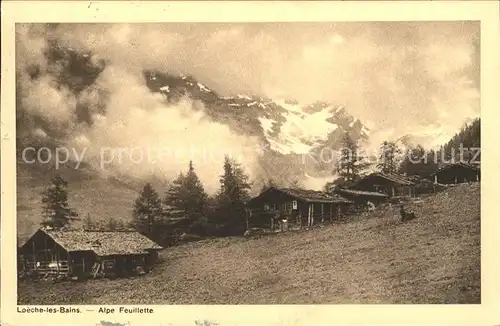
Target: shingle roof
pixel 361 193
pixel 310 195
pixel 455 165
pixel 396 178
pixel 103 243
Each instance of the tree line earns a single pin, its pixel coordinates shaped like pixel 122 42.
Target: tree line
pixel 185 208
pixel 414 161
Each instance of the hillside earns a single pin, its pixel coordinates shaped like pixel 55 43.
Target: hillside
pixel 286 129
pixel 89 193
pixel 375 259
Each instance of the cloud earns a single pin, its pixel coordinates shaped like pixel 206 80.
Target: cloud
pixel 400 76
pixel 135 132
pixel 140 134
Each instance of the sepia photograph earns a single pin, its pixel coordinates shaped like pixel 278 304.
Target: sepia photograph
pixel 248 163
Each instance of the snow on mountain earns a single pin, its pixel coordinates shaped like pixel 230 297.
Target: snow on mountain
pixel 203 87
pixel 293 133
pixel 243 96
pixel 432 137
pixel 301 131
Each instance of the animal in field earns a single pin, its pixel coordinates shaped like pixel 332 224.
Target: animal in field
pixel 406 216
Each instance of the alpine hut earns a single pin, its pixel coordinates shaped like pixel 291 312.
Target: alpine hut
pixel 456 173
pixel 362 197
pixel 299 206
pixel 391 184
pixel 88 253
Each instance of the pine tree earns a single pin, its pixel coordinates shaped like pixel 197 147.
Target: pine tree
pixel 172 202
pixel 233 193
pixel 55 208
pixel 195 195
pixel 295 184
pixel 351 161
pixel 466 141
pixel 269 184
pixel 112 224
pixel 388 160
pixel 147 210
pixel 89 223
pixel 417 161
pixel 120 226
pixel 187 198
pixel 234 182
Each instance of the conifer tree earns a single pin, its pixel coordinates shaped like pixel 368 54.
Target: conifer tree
pixel 187 198
pixel 418 161
pixel 172 202
pixel 147 210
pixel 295 184
pixel 55 208
pixel 469 138
pixel 388 160
pixel 89 223
pixel 231 199
pixel 269 184
pixel 112 224
pixel 351 162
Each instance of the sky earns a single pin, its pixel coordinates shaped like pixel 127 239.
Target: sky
pixel 396 77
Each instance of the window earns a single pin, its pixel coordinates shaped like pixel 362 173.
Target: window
pixel 266 207
pixel 294 204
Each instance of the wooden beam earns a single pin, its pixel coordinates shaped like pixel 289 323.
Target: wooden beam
pixel 246 219
pixel 312 214
pixel 46 249
pixel 309 215
pixel 34 255
pixel 322 213
pixel 70 265
pixel 57 258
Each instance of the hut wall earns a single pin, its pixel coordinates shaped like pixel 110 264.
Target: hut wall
pixel 261 219
pixel 457 175
pixel 376 184
pixel 151 258
pixel 44 255
pixel 379 184
pixel 302 213
pixel 277 206
pixel 82 262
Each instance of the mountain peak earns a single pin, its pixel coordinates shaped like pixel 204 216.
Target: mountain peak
pixel 286 128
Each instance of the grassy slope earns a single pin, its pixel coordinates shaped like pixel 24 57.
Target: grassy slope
pixel 377 259
pixel 89 193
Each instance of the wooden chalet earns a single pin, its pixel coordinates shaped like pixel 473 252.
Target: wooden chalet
pixel 456 173
pixel 391 184
pixel 361 197
pixel 297 206
pixel 87 253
